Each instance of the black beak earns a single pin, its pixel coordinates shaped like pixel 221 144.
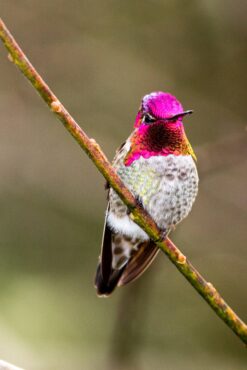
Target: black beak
pixel 181 115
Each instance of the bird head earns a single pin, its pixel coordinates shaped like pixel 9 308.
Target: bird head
pixel 159 128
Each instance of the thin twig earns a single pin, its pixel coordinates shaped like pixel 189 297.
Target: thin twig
pixel 204 288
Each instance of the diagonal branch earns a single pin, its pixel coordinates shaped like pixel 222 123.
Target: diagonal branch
pixel 92 149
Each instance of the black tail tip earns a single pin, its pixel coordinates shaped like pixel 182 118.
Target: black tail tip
pixel 101 286
pixel 105 288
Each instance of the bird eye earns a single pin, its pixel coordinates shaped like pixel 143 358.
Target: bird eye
pixel 147 118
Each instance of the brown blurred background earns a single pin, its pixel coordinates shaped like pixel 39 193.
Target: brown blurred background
pixel 101 57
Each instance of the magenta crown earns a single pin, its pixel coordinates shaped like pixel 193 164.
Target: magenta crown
pixel 161 104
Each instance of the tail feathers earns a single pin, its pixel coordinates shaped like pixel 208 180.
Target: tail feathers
pixel 141 260
pixel 103 286
pixel 112 271
pixel 139 263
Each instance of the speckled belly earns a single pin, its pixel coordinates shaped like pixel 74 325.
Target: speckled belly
pixel 166 185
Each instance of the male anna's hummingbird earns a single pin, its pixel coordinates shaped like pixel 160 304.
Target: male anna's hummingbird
pixel 157 164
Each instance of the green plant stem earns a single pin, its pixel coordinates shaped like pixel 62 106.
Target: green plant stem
pixel 92 149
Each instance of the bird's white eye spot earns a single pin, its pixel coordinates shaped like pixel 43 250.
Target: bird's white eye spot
pixel 148 118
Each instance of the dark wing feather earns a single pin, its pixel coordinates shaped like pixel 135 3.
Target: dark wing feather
pixel 140 261
pixel 106 253
pixel 106 278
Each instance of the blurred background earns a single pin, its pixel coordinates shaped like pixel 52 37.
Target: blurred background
pixel 100 58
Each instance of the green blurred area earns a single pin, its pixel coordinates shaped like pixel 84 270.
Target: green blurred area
pixel 101 58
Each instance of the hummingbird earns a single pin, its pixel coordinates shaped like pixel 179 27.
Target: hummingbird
pixel 158 165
